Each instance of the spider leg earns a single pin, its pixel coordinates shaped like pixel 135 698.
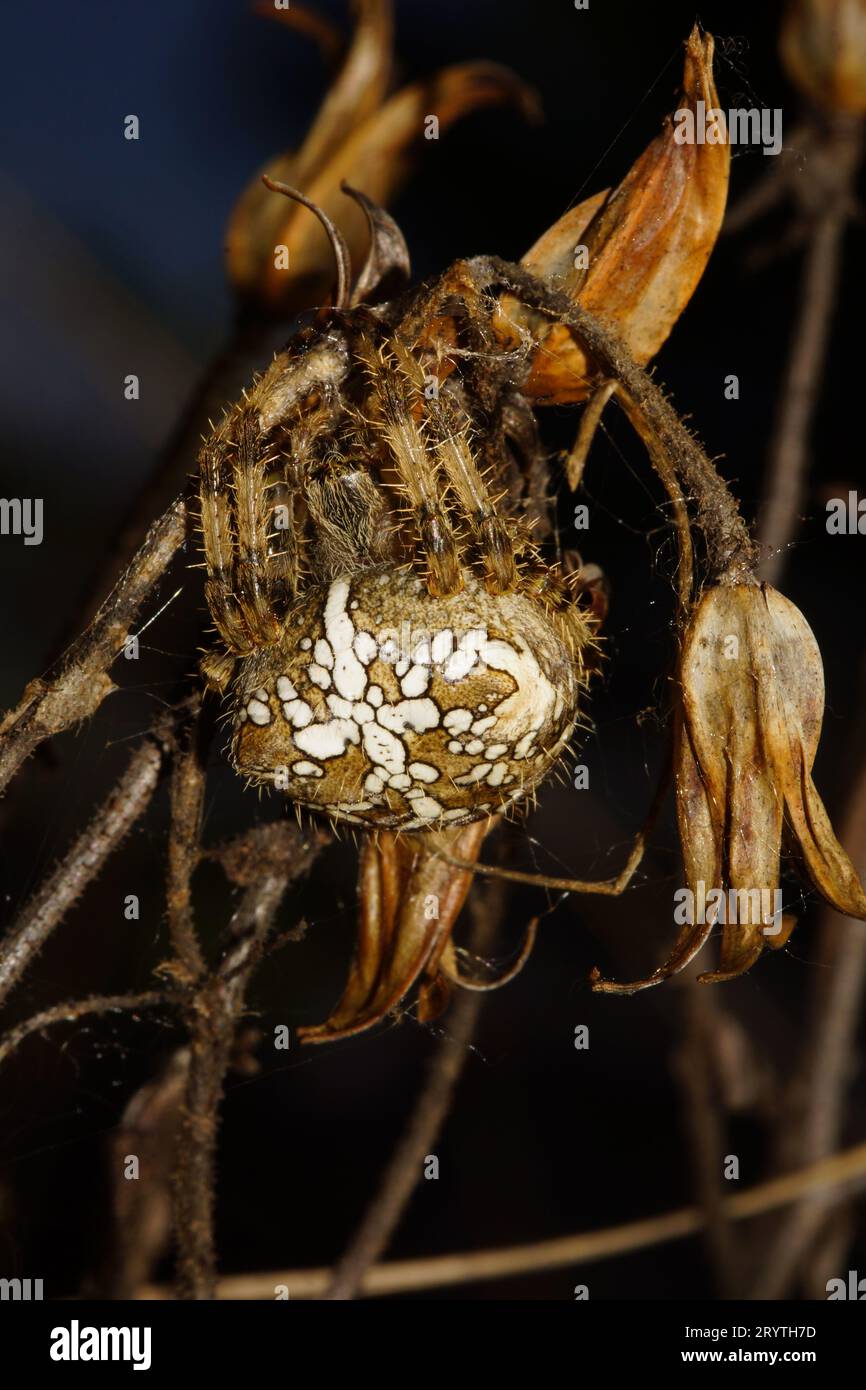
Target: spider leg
pixel 460 290
pixel 217 668
pixel 217 532
pixel 450 428
pixel 253 577
pixel 253 551
pixel 492 532
pixel 241 587
pixel 459 308
pixel 607 887
pixel 285 543
pixel 305 450
pixel 417 466
pixel 251 522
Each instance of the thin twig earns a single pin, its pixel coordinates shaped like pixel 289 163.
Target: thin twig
pixel 112 822
pixel 804 373
pixel 141 1210
pixel 590 421
pixel 704 1122
pixel 822 183
pixel 76 685
pixel 213 1011
pixel 405 1165
pixel 184 849
pixel 813 1118
pixel 659 459
pixel 842 1174
pixel 75 1009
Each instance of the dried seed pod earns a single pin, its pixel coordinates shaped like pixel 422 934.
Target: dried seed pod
pixel 823 48
pixel 633 256
pixel 751 708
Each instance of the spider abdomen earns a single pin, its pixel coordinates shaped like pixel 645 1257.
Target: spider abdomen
pixel 385 706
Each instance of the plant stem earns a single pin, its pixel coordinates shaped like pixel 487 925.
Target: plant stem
pixel 115 817
pixel 843 1173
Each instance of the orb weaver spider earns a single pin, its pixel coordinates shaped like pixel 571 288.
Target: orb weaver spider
pixel 399 652
pixel 401 655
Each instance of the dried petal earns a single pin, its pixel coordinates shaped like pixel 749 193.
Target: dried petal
pixel 377 158
pixel 355 140
pixel 647 244
pixel 410 900
pixel 359 89
pixel 326 35
pixel 356 93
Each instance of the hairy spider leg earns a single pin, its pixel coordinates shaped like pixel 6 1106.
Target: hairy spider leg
pixel 450 430
pixel 216 523
pixel 253 583
pixel 417 467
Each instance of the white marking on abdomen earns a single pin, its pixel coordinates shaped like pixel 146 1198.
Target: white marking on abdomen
pixel 258 711
pixel 415 681
pixel 298 713
pixel 409 714
pixel 383 749
pixel 424 772
pixel 327 740
pixel 350 678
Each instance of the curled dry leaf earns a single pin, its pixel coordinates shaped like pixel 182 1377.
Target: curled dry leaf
pixel 751 708
pixel 646 246
pixel 358 138
pixel 823 49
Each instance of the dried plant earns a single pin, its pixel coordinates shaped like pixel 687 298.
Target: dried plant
pixel 385 475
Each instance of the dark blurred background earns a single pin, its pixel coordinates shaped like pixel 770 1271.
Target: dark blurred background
pixel 111 260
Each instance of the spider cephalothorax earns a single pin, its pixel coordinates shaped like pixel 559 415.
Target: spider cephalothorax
pixel 402 656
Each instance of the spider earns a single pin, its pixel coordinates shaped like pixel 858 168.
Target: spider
pixel 400 655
